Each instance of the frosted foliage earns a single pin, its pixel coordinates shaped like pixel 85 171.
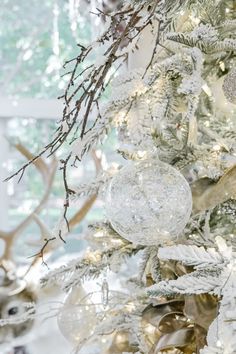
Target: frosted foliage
pixel 148 202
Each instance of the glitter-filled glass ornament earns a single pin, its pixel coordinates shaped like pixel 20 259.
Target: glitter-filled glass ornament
pixel 229 86
pixel 77 318
pixel 148 202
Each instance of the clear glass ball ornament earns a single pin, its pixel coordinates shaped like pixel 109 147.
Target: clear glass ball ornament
pixel 148 202
pixel 77 318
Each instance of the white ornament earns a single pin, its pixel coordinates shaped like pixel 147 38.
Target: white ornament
pixel 229 86
pixel 77 318
pixel 221 105
pixel 148 201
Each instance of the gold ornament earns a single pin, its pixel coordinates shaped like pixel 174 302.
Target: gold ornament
pixel 121 343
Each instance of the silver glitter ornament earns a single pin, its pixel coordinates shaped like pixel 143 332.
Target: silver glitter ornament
pixel 229 86
pixel 148 202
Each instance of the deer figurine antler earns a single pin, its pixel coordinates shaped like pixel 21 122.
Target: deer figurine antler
pixel 14 292
pixel 47 172
pixel 47 236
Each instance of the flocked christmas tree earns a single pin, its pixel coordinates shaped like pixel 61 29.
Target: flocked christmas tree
pixel 172 205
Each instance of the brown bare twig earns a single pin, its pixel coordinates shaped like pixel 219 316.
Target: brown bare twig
pixel 92 85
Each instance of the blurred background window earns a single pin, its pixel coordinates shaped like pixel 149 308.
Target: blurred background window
pixel 36 39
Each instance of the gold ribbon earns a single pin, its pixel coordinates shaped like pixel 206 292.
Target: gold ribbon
pixel 201 309
pixel 180 339
pixel 179 323
pixel 207 194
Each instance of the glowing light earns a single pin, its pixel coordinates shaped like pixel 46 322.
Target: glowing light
pixel 120 338
pixel 207 90
pixel 115 166
pixel 195 20
pixel 93 256
pixel 217 147
pixel 99 233
pixel 222 65
pixel 149 328
pixel 99 153
pixel 219 344
pixel 141 154
pixel 130 307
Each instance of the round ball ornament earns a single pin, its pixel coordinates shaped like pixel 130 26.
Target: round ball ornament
pixel 148 202
pixel 229 86
pixel 77 318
